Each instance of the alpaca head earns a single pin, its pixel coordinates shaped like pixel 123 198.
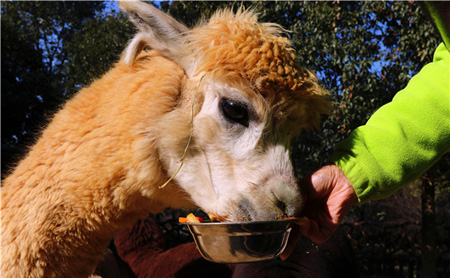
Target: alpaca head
pixel 246 97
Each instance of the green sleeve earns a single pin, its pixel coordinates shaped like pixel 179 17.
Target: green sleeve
pixel 403 138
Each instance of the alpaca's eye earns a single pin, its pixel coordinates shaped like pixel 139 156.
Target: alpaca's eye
pixel 234 111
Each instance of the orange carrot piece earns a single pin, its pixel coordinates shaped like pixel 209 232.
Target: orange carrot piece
pixel 182 219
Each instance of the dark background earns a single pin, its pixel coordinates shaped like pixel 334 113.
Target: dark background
pixel 363 52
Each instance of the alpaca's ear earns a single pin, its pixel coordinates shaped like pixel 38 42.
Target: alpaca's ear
pixel 158 30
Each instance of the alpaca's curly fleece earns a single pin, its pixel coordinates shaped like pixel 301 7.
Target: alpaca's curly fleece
pixel 237 48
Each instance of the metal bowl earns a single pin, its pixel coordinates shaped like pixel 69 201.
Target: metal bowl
pixel 241 242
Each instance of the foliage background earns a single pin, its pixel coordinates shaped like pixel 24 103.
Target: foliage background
pixel 363 52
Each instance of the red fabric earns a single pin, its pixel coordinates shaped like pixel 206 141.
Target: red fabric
pixel 142 247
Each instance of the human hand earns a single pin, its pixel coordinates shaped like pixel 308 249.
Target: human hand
pixel 329 197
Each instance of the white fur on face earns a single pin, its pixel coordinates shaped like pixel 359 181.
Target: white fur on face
pixel 236 172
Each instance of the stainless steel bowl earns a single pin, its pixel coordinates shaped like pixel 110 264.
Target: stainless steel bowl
pixel 241 242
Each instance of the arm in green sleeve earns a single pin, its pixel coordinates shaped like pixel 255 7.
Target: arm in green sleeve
pixel 403 138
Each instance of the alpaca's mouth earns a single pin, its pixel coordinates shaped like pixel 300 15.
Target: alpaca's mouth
pixel 244 213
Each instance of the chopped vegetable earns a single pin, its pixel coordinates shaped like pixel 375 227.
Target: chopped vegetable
pixel 191 218
pixel 182 219
pixel 200 219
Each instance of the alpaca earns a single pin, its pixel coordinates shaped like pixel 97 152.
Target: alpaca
pixel 231 87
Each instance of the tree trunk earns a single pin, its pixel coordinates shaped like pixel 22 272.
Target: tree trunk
pixel 429 234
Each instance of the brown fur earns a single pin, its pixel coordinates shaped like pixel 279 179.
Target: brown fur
pixel 88 174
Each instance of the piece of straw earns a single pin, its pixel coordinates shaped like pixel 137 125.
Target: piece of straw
pixel 181 161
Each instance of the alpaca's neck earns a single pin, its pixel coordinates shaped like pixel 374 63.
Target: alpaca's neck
pixel 93 171
pixel 59 219
pixel 62 205
pixel 64 202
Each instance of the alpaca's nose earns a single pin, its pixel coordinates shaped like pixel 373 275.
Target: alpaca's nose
pixel 286 196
